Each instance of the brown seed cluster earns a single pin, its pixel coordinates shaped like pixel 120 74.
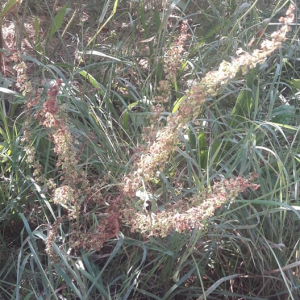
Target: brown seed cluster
pixel 187 214
pixel 74 191
pixel 153 158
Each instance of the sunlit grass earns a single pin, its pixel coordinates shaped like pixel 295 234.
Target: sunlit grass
pixel 111 68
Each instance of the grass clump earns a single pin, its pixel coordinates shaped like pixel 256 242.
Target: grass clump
pixel 157 159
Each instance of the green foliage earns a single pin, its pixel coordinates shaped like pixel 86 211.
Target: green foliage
pixel 125 71
pixel 244 102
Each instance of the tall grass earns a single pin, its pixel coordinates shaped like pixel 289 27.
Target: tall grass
pixel 91 210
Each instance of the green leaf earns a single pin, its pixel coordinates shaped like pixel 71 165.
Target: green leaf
pixel 295 83
pixel 8 91
pixel 244 102
pixel 202 140
pixel 68 280
pixel 8 6
pixel 125 116
pixel 156 19
pixel 98 53
pixel 203 149
pixel 91 79
pixel 177 104
pixel 29 296
pixel 201 143
pixel 57 21
pixel 38 46
pixel 146 29
pixel 283 114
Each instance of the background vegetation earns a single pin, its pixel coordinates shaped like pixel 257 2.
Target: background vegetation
pixel 105 193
